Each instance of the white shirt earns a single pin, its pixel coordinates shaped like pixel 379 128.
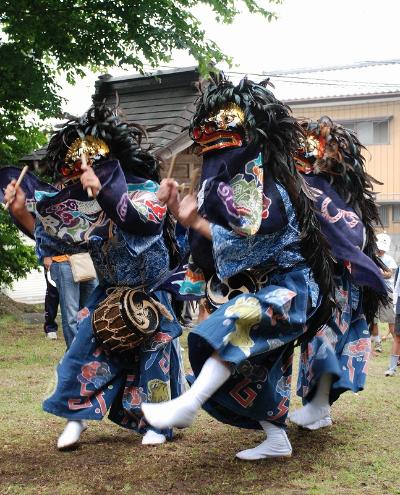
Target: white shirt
pixel 391 265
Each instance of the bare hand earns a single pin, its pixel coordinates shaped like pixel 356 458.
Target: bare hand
pixel 168 194
pixel 47 261
pixel 90 180
pixel 188 215
pixel 16 198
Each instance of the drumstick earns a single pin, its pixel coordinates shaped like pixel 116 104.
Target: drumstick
pixel 171 167
pixel 193 180
pixel 17 184
pixel 84 163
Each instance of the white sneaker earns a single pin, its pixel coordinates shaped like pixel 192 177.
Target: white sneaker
pixel 390 372
pixel 51 336
pixel 71 434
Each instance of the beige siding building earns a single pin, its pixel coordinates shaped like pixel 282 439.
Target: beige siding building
pixel 377 123
pixel 364 97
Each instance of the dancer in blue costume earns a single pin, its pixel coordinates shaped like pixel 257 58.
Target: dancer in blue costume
pixel 253 228
pixel 129 236
pixel 52 253
pixel 336 359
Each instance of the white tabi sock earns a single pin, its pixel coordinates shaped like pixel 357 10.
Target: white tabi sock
pixel 391 371
pixel 318 408
pixel 393 362
pixel 151 437
pixel 276 445
pixel 180 412
pixel 321 423
pixel 71 434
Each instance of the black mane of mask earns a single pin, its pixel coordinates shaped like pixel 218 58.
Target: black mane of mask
pixel 347 174
pixel 269 123
pixel 124 141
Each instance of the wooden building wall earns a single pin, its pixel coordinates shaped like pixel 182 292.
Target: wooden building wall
pixel 185 165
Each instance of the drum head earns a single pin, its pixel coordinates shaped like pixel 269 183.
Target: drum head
pixel 219 292
pixel 139 313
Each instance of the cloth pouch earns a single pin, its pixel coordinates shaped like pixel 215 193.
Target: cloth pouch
pixel 82 267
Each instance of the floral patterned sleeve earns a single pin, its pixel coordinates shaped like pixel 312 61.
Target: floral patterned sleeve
pixel 279 247
pixel 131 202
pixel 233 198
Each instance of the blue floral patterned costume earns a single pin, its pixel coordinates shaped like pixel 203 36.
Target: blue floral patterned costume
pixel 123 230
pixel 341 347
pixel 254 333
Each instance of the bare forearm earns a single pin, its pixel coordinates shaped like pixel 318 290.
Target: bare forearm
pixel 15 197
pixel 25 219
pixel 185 210
pixel 387 273
pixel 202 226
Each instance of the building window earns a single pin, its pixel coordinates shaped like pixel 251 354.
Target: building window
pixel 396 213
pixel 370 131
pixel 384 215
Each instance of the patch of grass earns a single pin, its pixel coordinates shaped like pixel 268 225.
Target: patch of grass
pixel 7 319
pixel 358 455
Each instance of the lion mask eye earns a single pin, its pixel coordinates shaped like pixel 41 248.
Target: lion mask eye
pixel 229 117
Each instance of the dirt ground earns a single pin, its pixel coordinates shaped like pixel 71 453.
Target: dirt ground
pixel 10 307
pixel 358 455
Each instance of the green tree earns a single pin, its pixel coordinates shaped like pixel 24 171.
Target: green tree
pixel 16 258
pixel 17 139
pixel 42 38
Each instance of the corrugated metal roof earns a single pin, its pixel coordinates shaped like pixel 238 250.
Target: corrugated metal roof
pixel 360 79
pixel 164 98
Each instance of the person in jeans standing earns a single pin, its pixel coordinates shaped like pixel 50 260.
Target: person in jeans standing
pixel 52 252
pixel 73 296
